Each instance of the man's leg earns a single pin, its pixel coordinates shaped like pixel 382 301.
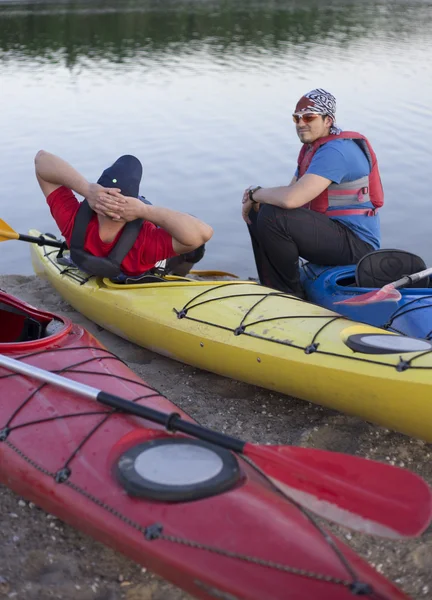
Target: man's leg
pixel 284 235
pixel 256 246
pixel 183 263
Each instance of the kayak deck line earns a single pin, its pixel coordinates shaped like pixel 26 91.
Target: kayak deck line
pixel 310 348
pixel 155 531
pixel 402 311
pixel 183 313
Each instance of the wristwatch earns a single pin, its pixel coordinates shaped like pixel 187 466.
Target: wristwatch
pixel 251 193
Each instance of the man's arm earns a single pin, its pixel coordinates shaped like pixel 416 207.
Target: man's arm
pixel 329 164
pixel 53 172
pixel 187 232
pixel 294 195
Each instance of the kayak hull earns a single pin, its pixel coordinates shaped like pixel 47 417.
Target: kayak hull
pixel 253 334
pixel 59 450
pixel 411 315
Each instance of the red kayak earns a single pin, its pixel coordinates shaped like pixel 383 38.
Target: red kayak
pixel 218 529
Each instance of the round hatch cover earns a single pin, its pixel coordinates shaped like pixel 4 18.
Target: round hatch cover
pixel 381 343
pixel 177 470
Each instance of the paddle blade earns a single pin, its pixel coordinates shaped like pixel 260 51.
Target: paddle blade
pixel 358 493
pixel 6 232
pixel 386 294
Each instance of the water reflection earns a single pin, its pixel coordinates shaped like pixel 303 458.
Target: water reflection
pixel 80 32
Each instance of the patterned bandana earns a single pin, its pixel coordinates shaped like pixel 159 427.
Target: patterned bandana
pixel 320 102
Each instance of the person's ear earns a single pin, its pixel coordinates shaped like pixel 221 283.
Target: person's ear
pixel 328 121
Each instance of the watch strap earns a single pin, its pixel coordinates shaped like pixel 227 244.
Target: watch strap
pixel 251 193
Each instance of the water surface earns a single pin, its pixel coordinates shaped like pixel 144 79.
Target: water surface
pixel 202 92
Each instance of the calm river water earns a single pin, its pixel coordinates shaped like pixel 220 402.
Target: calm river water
pixel 202 92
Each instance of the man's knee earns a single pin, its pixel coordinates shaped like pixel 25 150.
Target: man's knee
pixel 269 217
pixel 183 263
pixel 194 256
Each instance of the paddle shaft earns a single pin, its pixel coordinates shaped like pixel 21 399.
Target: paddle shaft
pixel 40 241
pixel 172 421
pixel 10 234
pixel 412 278
pixel 321 483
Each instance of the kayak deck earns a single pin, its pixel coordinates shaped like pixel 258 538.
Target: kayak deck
pixel 59 450
pixel 252 333
pixel 411 315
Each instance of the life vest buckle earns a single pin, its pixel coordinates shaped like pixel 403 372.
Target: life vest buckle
pixel 364 191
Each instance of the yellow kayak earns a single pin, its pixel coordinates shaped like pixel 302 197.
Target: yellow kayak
pixel 252 333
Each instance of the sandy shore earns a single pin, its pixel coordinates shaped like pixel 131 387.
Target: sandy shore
pixel 42 558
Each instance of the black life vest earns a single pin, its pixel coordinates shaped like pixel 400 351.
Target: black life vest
pixel 102 266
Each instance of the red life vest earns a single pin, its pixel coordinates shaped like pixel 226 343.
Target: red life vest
pixel 365 189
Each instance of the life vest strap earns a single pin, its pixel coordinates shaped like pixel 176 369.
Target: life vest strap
pixel 366 212
pixel 360 193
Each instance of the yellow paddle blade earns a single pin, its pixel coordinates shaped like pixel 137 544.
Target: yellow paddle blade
pixel 7 233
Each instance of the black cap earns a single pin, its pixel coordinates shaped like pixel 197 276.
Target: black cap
pixel 124 174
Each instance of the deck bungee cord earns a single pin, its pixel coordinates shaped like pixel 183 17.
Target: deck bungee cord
pixel 309 348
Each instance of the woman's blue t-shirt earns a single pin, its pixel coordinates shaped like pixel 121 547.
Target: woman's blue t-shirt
pixel 340 161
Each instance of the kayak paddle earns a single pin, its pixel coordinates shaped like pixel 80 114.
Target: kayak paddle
pixel 388 293
pixel 359 493
pixel 7 233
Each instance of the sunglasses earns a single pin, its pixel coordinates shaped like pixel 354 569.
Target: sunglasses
pixel 307 118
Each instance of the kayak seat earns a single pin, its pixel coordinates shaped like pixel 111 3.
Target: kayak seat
pixel 376 269
pixel 147 277
pixel 178 265
pixel 31 330
pixel 17 326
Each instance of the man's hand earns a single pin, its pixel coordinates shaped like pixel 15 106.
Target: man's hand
pixel 248 205
pixel 119 207
pixel 104 201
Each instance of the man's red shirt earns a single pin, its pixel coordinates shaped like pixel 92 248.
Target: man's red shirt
pixel 152 244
